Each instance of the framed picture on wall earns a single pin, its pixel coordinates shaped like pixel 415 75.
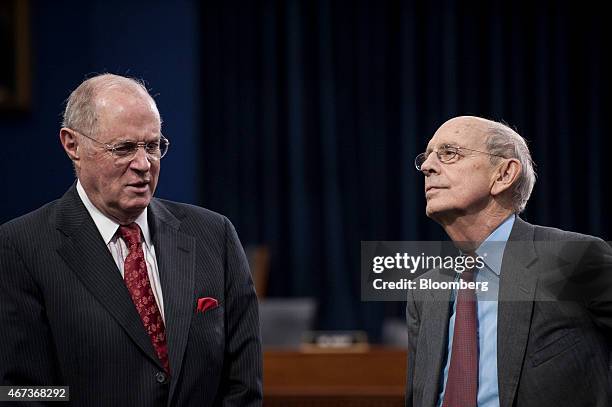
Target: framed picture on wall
pixel 14 55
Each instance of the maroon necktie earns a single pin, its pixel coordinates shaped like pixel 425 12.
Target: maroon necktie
pixel 138 284
pixel 462 381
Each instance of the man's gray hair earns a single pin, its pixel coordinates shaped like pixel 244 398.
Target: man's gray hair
pixel 503 141
pixel 80 113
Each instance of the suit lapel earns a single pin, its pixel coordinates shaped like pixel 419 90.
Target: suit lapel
pixel 436 317
pixel 175 252
pixel 518 281
pixel 86 254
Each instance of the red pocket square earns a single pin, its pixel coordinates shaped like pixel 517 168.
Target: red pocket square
pixel 206 303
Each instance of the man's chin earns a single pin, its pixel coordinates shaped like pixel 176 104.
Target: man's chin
pixel 136 205
pixel 430 210
pixel 434 211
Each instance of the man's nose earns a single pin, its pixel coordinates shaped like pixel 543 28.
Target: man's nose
pixel 140 162
pixel 431 165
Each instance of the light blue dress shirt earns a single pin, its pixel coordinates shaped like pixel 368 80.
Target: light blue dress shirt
pixel 492 251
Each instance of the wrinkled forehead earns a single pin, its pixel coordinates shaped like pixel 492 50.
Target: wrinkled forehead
pixel 469 133
pixel 122 108
pixel 117 100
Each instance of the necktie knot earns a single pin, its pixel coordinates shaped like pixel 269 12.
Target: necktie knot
pixel 130 233
pixel 468 274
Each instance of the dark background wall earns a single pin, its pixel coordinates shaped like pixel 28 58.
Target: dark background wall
pixel 315 110
pixel 300 120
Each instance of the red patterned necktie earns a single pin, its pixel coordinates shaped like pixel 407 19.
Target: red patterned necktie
pixel 462 381
pixel 138 284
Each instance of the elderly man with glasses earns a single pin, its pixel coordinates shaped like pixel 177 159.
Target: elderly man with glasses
pixel 541 334
pixel 126 299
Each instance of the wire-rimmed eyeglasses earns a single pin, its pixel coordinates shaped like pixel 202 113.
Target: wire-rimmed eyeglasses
pixel 126 150
pixel 446 154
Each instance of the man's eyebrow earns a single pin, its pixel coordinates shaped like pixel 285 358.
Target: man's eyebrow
pixel 128 139
pixel 440 145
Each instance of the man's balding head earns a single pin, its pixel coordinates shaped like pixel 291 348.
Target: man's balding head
pixel 83 105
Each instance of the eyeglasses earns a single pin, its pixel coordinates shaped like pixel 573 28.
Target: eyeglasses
pixel 446 154
pixel 125 151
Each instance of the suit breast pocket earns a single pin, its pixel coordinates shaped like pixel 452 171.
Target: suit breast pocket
pixel 207 339
pixel 209 325
pixel 563 342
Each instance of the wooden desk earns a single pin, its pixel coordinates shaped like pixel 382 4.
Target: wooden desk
pixel 373 378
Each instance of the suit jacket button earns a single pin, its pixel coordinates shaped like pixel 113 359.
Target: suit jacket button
pixel 161 377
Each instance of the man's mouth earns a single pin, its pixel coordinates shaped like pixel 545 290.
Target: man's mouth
pixel 430 187
pixel 140 186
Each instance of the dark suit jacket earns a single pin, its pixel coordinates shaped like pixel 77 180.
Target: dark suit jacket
pixel 549 352
pixel 66 317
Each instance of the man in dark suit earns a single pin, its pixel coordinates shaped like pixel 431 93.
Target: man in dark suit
pixel 128 299
pixel 540 335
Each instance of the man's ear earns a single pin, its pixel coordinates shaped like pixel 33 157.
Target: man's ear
pixel 505 175
pixel 70 144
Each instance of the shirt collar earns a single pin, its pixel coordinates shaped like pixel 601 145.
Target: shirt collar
pixel 492 249
pixel 108 227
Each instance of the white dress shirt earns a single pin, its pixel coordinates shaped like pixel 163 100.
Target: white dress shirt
pixel 118 248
